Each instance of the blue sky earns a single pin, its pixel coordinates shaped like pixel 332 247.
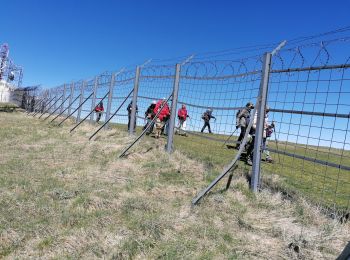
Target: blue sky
pixel 61 41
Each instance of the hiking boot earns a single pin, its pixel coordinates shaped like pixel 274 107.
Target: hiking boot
pixel 269 160
pixel 249 162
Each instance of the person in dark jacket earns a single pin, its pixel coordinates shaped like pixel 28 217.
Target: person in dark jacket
pixel 268 129
pixel 99 110
pixel 242 121
pixel 206 117
pixel 149 115
pixel 129 108
pixel 32 104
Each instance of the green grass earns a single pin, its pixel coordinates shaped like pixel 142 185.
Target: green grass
pixel 327 186
pixel 324 185
pixel 7 107
pixel 64 197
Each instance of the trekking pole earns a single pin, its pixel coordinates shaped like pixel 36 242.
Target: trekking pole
pixel 274 129
pixel 229 137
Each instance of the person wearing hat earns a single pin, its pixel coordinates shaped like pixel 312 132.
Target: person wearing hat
pixel 207 115
pixel 182 115
pixel 149 115
pixel 242 121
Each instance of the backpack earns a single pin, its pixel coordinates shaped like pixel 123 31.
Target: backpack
pixel 205 116
pixel 238 118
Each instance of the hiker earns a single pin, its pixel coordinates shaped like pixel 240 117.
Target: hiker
pixel 99 110
pixel 182 115
pixel 162 117
pixel 206 117
pixel 266 133
pixel 129 108
pixel 268 130
pixel 242 121
pixel 149 115
pixel 32 104
pixel 43 105
pixel 24 101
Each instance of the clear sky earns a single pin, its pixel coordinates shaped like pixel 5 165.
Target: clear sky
pixel 61 41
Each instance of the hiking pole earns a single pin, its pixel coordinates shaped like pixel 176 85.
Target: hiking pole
pixel 229 137
pixel 274 129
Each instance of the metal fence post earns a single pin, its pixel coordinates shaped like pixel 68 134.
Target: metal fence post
pixel 93 102
pixel 110 99
pixel 70 98
pixel 52 94
pixel 260 122
pixel 80 101
pixel 56 94
pixel 63 97
pixel 169 145
pixel 134 102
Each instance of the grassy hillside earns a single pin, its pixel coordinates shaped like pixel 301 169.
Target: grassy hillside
pixel 62 196
pixel 328 186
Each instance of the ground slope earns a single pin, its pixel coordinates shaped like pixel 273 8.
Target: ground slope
pixel 62 196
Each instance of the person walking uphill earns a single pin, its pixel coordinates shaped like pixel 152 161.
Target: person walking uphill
pixel 182 115
pixel 162 117
pixel 149 115
pixel 129 108
pixel 242 121
pixel 99 110
pixel 206 117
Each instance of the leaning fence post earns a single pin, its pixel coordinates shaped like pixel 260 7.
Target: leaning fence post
pixel 63 97
pixel 93 102
pixel 80 101
pixel 52 95
pixel 260 122
pixel 56 94
pixel 110 99
pixel 132 121
pixel 70 98
pixel 169 145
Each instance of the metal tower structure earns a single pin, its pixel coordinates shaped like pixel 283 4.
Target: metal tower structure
pixel 9 71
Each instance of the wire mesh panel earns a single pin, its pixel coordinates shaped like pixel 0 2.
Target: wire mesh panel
pixel 220 88
pixel 124 84
pixel 309 103
pixel 308 99
pixel 77 91
pixel 88 86
pixel 156 82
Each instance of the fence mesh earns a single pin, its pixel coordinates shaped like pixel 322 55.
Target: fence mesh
pixel 309 100
pixel 308 97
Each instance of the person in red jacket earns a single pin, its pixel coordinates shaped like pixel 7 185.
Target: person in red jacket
pixel 99 110
pixel 182 115
pixel 163 116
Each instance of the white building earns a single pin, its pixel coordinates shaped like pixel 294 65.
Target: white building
pixel 6 90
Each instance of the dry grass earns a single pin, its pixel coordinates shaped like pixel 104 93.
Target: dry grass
pixel 62 196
